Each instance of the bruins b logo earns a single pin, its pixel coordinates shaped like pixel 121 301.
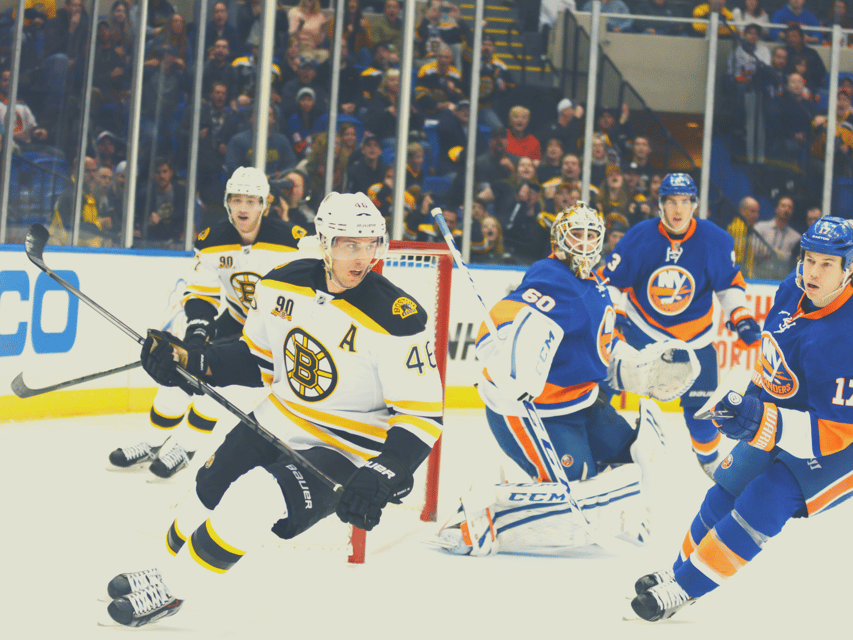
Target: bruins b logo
pixel 244 283
pixel 311 372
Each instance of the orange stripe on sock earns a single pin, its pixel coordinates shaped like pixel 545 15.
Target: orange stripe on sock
pixel 716 556
pixel 688 546
pixel 706 448
pixel 527 445
pixel 824 499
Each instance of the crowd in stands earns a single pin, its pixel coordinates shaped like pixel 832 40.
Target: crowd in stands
pixel 525 172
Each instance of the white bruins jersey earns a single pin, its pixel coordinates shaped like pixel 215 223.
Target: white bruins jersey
pixel 226 273
pixel 344 368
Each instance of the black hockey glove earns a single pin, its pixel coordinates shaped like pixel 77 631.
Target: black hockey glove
pixel 383 479
pixel 161 354
pixel 199 331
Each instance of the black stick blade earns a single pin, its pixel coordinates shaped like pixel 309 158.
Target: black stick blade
pixel 19 388
pixel 37 238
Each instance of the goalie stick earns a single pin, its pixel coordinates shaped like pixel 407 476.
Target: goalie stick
pixel 36 240
pixel 552 461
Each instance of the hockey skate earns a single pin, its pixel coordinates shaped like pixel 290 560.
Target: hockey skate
pixel 660 602
pixel 125 583
pixel 145 606
pixel 653 579
pixel 132 458
pixel 173 460
pixel 471 530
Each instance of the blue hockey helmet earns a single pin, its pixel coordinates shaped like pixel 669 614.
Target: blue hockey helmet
pixel 677 184
pixel 831 236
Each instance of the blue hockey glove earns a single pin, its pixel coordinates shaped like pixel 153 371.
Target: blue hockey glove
pixel 757 422
pixel 748 331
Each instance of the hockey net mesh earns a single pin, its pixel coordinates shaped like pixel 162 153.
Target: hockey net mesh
pixel 423 270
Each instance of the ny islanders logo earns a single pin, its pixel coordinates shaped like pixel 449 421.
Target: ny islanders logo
pixel 778 379
pixel 671 289
pixel 606 335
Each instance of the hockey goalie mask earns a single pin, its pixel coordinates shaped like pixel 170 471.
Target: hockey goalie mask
pixel 829 236
pixel 577 238
pixel 252 182
pixel 343 222
pixel 677 184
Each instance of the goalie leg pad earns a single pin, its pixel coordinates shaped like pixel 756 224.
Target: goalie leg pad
pixel 537 518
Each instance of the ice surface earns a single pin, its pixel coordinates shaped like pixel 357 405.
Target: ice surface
pixel 69 525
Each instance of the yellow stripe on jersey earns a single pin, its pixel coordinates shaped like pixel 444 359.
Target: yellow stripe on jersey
pixel 254 347
pixel 267 377
pixel 284 286
pixel 417 405
pixel 424 425
pixel 202 289
pixel 238 318
pixel 268 246
pixel 358 315
pixel 337 421
pixel 321 435
pixel 222 248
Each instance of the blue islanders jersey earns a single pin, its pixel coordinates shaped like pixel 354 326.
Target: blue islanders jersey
pixel 583 310
pixel 669 281
pixel 805 369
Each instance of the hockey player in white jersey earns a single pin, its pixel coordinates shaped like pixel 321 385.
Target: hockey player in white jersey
pixel 230 259
pixel 354 389
pixel 555 343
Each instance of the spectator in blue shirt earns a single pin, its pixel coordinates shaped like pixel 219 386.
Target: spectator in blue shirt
pixel 614 6
pixel 795 13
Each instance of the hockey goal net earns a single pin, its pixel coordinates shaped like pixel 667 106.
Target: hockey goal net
pixel 422 270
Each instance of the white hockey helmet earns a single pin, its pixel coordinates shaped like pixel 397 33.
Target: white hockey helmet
pixel 248 181
pixel 577 238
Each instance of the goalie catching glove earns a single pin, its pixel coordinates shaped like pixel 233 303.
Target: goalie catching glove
pixel 662 370
pixel 757 422
pixel 162 353
pixel 525 353
pixel 381 480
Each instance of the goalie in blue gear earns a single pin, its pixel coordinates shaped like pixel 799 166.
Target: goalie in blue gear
pixel 556 340
pixel 794 425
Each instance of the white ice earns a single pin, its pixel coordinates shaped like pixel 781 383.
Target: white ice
pixel 69 525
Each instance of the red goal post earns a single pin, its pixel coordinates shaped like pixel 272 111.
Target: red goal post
pixel 424 270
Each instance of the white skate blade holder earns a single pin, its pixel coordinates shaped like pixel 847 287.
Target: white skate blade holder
pixel 735 380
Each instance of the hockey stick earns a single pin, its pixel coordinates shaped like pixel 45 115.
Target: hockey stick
pixel 37 239
pixel 20 388
pixel 552 462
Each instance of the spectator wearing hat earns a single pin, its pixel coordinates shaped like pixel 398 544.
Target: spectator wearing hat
pixel 107 149
pixel 795 44
pixel 794 13
pixel 306 79
pixel 305 123
pixel 615 123
pixel 568 127
pixel 367 170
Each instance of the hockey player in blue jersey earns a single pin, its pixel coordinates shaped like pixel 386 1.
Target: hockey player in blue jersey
pixel 556 338
pixel 794 424
pixel 667 271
